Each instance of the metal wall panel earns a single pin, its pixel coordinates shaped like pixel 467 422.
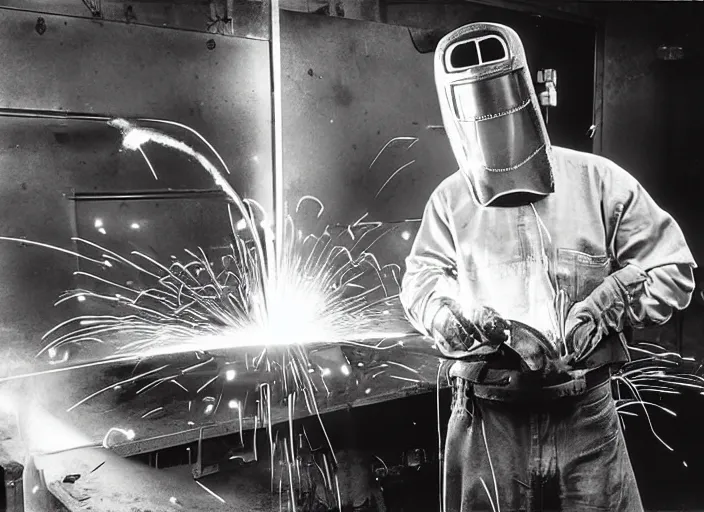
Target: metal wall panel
pixel 82 65
pixel 248 18
pixel 349 88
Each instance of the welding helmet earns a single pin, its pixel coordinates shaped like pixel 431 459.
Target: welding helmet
pixel 491 113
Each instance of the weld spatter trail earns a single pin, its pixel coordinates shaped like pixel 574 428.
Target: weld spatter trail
pixel 315 298
pixel 321 292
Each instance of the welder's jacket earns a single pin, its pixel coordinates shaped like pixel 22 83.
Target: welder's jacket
pixel 598 220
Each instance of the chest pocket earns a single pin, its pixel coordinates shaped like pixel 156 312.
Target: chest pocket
pixel 579 273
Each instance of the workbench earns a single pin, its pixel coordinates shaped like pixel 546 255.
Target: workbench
pixel 69 443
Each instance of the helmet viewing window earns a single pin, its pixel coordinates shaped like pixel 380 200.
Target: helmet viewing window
pixel 463 55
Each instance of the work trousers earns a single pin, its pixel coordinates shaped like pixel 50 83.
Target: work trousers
pixel 567 454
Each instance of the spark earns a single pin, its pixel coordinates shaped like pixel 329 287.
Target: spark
pixel 394 175
pixel 153 411
pixel 151 167
pixel 404 378
pixel 389 143
pixel 405 367
pixel 210 492
pixel 321 208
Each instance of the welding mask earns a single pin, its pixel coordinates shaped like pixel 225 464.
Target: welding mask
pixel 492 115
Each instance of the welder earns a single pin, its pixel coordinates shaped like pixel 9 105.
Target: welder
pixel 531 266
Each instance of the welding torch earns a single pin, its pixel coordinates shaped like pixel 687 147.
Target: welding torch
pixel 488 334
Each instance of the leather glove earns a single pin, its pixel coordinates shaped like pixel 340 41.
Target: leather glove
pixel 603 311
pixel 458 336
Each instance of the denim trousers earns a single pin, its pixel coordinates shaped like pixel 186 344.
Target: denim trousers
pixel 567 454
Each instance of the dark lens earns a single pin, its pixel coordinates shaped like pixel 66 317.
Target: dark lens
pixel 491 50
pixel 464 55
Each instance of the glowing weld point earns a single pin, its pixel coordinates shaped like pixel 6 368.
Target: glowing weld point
pixel 312 370
pixel 173 501
pixel 385 312
pixel 209 409
pixel 241 225
pixel 325 372
pixel 360 365
pixel 367 391
pixel 134 225
pixel 102 231
pixel 345 369
pixel 52 354
pixel 406 235
pixel 35 489
pixel 135 138
pixel 233 404
pixel 190 424
pixel 107 263
pixel 129 434
pixel 98 223
pixel 230 375
pixel 685 464
pixel 81 298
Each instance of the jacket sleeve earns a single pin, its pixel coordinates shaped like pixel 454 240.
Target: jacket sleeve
pixel 644 236
pixel 429 267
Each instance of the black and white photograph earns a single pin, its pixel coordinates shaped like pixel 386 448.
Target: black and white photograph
pixel 351 255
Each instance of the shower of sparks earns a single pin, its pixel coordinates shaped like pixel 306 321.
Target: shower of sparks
pixel 276 298
pixel 656 372
pixel 197 307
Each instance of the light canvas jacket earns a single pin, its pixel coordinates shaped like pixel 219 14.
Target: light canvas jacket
pixel 514 259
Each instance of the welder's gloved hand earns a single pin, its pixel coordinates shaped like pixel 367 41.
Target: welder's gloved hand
pixel 458 336
pixel 604 310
